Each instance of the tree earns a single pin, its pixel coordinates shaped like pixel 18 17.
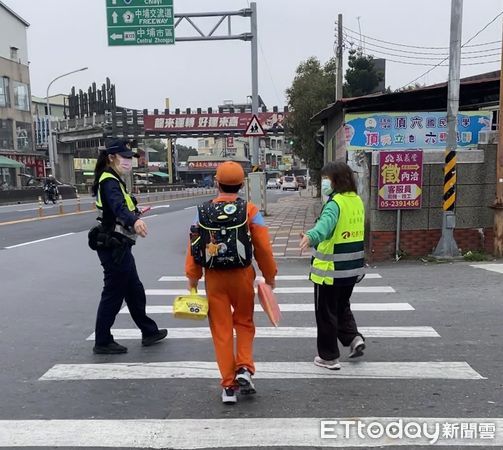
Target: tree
pixel 159 147
pixel 313 88
pixel 184 152
pixel 361 77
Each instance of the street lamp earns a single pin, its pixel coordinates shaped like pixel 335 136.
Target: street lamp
pixel 49 139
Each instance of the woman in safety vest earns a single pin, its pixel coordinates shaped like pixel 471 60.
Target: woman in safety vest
pixel 337 264
pixel 120 225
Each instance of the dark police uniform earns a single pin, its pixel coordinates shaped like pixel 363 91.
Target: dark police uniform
pixel 121 281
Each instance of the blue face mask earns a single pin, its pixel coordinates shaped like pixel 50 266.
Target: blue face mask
pixel 326 186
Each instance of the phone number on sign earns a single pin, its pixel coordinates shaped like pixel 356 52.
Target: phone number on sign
pixel 400 203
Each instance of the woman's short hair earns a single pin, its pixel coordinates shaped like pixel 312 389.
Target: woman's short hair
pixel 341 176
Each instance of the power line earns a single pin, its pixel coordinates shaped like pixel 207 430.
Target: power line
pixel 412 52
pixel 373 50
pixel 425 64
pixel 464 45
pixel 425 47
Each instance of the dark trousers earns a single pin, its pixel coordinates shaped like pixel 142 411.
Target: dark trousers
pixel 121 283
pixel 334 319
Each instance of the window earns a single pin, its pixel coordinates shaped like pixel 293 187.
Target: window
pixel 24 136
pixel 21 96
pixel 4 92
pixel 6 135
pixel 14 54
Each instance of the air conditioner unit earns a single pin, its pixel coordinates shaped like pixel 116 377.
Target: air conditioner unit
pixel 488 137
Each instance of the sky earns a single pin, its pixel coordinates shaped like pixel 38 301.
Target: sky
pixel 68 34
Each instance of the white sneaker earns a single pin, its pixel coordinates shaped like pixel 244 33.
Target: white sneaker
pixel 244 379
pixel 229 396
pixel 356 347
pixel 333 364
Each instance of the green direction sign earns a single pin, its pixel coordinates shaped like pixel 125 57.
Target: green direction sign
pixel 140 22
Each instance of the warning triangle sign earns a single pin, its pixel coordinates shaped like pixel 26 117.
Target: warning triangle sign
pixel 254 128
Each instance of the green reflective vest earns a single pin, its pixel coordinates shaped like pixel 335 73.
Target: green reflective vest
pixel 342 256
pixel 127 198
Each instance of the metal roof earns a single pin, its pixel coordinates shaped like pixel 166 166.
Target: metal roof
pixel 474 91
pixel 17 16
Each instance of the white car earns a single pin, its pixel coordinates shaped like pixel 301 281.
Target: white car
pixel 290 183
pixel 273 183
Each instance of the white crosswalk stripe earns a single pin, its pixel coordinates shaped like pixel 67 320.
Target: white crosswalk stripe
pixel 297 307
pixel 368 276
pixel 281 332
pixel 280 290
pixel 265 370
pixel 498 268
pixel 191 434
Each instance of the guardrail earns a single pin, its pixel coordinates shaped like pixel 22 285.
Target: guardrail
pixel 86 204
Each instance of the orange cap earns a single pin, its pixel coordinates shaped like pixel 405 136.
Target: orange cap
pixel 230 173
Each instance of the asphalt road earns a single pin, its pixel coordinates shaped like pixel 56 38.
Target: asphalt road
pixel 434 354
pixel 20 224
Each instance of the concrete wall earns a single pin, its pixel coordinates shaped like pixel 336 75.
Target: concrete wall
pixel 12 34
pixel 335 145
pixel 476 173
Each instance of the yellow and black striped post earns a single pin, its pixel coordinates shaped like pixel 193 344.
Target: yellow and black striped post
pixel 450 180
pixel 447 247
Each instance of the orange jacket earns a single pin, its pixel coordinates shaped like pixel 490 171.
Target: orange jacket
pixel 262 248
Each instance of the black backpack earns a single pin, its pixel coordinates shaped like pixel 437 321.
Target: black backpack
pixel 222 239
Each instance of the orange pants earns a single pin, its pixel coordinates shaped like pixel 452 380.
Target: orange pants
pixel 231 302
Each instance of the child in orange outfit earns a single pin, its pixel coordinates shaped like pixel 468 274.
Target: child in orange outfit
pixel 231 294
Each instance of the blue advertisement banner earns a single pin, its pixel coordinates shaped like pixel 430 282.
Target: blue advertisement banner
pixel 426 130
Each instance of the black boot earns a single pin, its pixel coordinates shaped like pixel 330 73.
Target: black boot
pixel 110 349
pixel 159 336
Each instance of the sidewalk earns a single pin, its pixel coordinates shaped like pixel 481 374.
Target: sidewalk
pixel 287 219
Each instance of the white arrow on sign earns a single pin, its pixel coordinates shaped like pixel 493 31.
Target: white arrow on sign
pixel 114 2
pixel 115 16
pixel 114 36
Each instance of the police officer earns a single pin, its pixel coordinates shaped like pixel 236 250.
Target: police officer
pixel 120 225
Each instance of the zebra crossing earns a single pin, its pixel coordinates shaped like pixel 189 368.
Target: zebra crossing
pixel 372 299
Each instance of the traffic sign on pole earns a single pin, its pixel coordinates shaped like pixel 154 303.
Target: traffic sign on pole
pixel 254 128
pixel 140 22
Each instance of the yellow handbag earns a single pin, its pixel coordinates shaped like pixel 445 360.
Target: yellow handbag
pixel 190 306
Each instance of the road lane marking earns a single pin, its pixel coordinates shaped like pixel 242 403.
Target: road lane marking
pixel 264 370
pixel 36 209
pixel 282 332
pixel 160 206
pixel 491 267
pixel 369 276
pixel 39 240
pixel 190 207
pixel 281 290
pixel 296 307
pixel 149 216
pixel 270 432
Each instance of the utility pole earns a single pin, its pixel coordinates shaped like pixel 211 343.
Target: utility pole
pixel 254 67
pixel 170 160
pixel 498 203
pixel 447 247
pixel 338 54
